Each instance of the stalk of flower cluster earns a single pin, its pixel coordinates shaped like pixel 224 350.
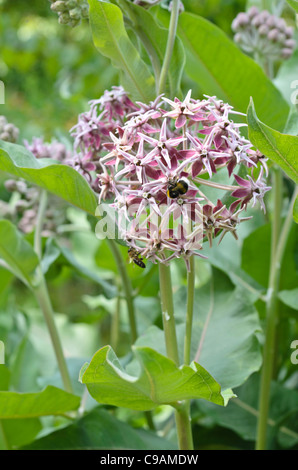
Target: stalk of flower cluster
pixel 127 288
pixel 271 322
pixel 182 417
pixel 42 296
pixel 170 45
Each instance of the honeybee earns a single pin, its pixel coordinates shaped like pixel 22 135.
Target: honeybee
pixel 177 188
pixel 134 256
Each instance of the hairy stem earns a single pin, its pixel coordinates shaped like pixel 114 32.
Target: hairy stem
pixel 182 414
pixel 42 296
pixel 277 253
pixel 170 46
pixel 127 288
pixel 189 310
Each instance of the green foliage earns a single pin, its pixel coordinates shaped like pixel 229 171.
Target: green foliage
pixel 111 39
pixel 100 430
pixel 17 253
pixel 159 381
pixel 221 69
pixel 281 148
pixel 294 4
pixel 58 179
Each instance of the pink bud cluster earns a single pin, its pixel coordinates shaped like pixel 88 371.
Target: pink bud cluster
pixel 261 34
pixel 152 162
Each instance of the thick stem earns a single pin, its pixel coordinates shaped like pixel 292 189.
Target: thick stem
pixel 271 322
pixel 183 424
pixel 182 412
pixel 127 288
pixel 189 310
pixel 168 318
pixel 170 46
pixel 42 296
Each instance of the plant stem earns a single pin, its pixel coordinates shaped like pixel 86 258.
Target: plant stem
pixel 42 296
pixel 126 287
pixel 277 253
pixel 189 310
pixel 168 318
pixel 170 46
pixel 182 411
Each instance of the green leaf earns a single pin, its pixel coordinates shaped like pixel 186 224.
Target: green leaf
pixel 17 253
pixel 100 430
pixel 290 298
pixel 50 401
pixel 220 68
pixel 58 179
pixel 224 333
pixel 293 4
pixel 111 39
pixel 242 413
pixel 154 38
pixel 19 432
pixel 281 148
pixel 159 381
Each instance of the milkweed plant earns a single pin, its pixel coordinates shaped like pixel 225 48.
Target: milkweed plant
pixel 175 169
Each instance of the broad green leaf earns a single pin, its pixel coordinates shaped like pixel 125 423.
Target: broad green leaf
pixel 111 39
pixel 220 68
pixel 17 253
pixel 286 79
pixel 58 179
pixel 224 334
pixel 256 258
pixel 108 289
pixel 4 373
pixel 154 38
pixel 18 432
pixel 242 413
pixel 281 148
pixel 99 430
pixel 158 382
pixel 293 4
pixel 290 298
pixel 50 401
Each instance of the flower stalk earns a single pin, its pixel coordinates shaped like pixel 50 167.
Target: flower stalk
pixel 170 46
pixel 42 296
pixel 277 252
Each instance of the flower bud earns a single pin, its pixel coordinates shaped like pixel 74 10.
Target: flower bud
pixel 257 20
pixel 64 18
pixel 75 14
pixel 263 30
pixel 290 43
pixel 286 53
pixel 253 11
pixel 273 35
pixel 59 6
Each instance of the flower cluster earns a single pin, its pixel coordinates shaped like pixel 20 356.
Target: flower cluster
pixel 264 35
pixel 153 161
pixel 54 150
pixel 8 131
pixel 70 12
pixel 23 208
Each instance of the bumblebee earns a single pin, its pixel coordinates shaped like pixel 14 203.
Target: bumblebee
pixel 177 188
pixel 134 256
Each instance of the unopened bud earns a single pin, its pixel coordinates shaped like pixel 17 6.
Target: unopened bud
pixel 273 35
pixel 59 6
